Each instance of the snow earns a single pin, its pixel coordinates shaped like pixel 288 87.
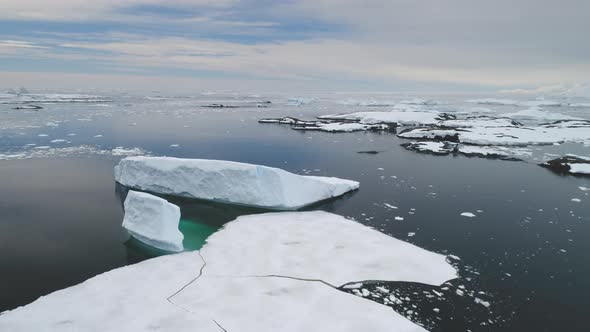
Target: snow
pixel 403 118
pixel 228 182
pixel 546 134
pixel 580 168
pixel 584 105
pixel 258 273
pixel 153 221
pixel 468 215
pixel 318 245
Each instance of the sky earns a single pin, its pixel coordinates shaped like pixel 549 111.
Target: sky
pixel 323 45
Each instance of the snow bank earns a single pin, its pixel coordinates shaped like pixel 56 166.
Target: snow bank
pixel 259 273
pixel 228 182
pixel 153 221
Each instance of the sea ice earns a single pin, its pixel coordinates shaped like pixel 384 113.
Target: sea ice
pixel 153 221
pixel 262 273
pixel 318 245
pixel 402 118
pixel 468 215
pixel 229 182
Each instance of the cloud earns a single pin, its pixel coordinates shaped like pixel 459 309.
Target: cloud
pixel 481 43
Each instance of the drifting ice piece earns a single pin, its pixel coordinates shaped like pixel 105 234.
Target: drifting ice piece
pixel 153 221
pixel 228 182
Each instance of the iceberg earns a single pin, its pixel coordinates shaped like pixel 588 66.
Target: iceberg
pixel 269 272
pixel 153 221
pixel 228 182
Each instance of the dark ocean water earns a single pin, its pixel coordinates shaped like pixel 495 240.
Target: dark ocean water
pixel 525 253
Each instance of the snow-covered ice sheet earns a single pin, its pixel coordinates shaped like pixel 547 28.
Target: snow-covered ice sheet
pixel 402 118
pixel 546 134
pixel 317 245
pixel 228 286
pixel 153 221
pixel 229 182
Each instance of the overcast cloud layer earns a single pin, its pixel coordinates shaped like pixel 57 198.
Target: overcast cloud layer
pixel 318 44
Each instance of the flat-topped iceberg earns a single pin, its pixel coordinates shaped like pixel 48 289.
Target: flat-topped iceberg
pixel 229 182
pixel 270 272
pixel 153 221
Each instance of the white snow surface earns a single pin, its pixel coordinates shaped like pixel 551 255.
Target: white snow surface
pixel 227 285
pixel 228 182
pixel 580 168
pixel 153 221
pixel 317 245
pixel 404 118
pixel 548 134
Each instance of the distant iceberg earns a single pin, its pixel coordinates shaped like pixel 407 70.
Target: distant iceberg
pixel 228 182
pixel 153 221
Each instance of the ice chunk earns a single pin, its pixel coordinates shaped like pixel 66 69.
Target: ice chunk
pixel 229 182
pixel 153 221
pixel 468 215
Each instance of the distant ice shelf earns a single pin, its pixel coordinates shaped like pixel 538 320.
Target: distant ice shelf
pixel 229 182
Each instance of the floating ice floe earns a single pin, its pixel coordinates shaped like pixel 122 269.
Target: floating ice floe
pixel 369 103
pixel 52 98
pixel 229 182
pixel 259 273
pixel 153 221
pixel 510 102
pixel 468 215
pixel 348 126
pixel 570 164
pixel 445 148
pixel 583 105
pixel 401 118
pixel 558 132
pixel 51 152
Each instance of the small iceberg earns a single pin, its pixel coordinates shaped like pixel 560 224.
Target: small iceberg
pixel 228 182
pixel 153 221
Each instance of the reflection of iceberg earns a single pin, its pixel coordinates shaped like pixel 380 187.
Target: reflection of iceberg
pixel 267 272
pixel 228 182
pixel 153 221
